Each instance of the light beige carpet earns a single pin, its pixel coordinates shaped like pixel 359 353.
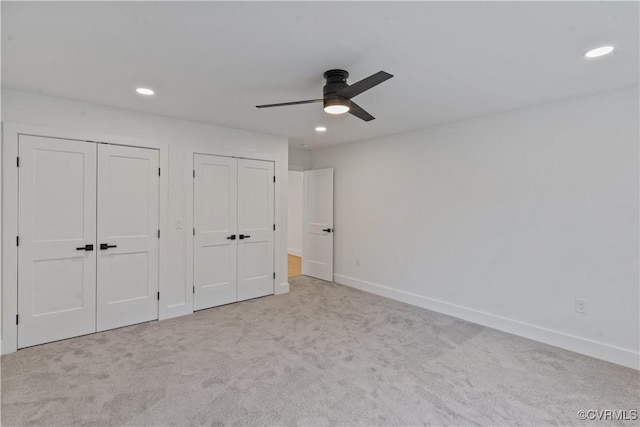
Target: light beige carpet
pixel 323 354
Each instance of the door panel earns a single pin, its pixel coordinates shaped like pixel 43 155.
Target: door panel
pixel 215 219
pixel 127 220
pixel 317 250
pixel 57 205
pixel 131 272
pixel 255 219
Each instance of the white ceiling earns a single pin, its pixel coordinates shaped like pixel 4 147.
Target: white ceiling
pixel 214 61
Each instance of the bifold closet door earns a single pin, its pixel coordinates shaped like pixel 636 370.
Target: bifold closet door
pixel 215 223
pixel 127 243
pixel 255 228
pixel 57 239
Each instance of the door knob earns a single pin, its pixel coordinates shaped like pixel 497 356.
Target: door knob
pixel 232 237
pixel 104 246
pixel 328 230
pixel 85 248
pixel 243 236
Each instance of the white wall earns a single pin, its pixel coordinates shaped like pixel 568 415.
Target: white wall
pixel 299 159
pixel 503 220
pixel 294 204
pixel 183 138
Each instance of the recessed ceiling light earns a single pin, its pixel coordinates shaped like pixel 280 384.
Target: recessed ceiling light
pixel 320 128
pixel 145 91
pixel 599 51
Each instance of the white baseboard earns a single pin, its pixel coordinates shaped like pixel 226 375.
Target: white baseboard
pixel 295 252
pixel 177 310
pixel 620 356
pixel 282 288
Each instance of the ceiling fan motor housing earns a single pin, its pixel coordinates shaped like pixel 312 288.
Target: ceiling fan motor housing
pixel 336 80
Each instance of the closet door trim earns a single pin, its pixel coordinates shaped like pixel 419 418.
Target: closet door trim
pixel 9 219
pixel 280 283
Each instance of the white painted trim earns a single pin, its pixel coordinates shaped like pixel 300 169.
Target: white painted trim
pixel 1 232
pixel 176 310
pixel 9 233
pixel 598 350
pixel 10 132
pixel 282 288
pixel 295 252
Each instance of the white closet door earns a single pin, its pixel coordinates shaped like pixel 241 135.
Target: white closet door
pixel 215 223
pixel 127 236
pixel 255 228
pixel 56 270
pixel 317 241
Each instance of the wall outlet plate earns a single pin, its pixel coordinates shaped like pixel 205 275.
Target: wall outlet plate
pixel 581 306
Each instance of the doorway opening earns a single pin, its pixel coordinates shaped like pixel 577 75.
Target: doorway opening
pixel 294 246
pixel 310 244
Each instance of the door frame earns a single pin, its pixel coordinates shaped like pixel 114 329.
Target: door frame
pixel 281 282
pixel 9 173
pixel 192 264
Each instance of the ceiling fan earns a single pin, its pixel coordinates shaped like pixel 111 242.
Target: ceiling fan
pixel 337 93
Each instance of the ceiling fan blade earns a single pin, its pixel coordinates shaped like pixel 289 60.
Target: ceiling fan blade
pixel 364 84
pixel 357 111
pixel 309 101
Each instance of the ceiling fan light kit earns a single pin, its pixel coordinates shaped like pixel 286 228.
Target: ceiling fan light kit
pixel 336 105
pixel 337 94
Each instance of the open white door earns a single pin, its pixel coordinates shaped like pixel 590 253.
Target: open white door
pixel 127 236
pixel 57 242
pixel 317 245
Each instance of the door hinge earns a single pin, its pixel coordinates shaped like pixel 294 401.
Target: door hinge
pixel 274 227
pixel 194 289
pixel 158 296
pixel 194 173
pixel 158 233
pixel 194 231
pixel 158 171
pixel 274 275
pixel 17 319
pixel 17 240
pixel 274 179
pixel 17 161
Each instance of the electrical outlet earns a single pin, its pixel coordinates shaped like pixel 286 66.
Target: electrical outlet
pixel 581 305
pixel 179 223
pixel 357 262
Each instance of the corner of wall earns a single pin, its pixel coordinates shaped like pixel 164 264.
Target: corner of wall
pixel 559 339
pixel 282 288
